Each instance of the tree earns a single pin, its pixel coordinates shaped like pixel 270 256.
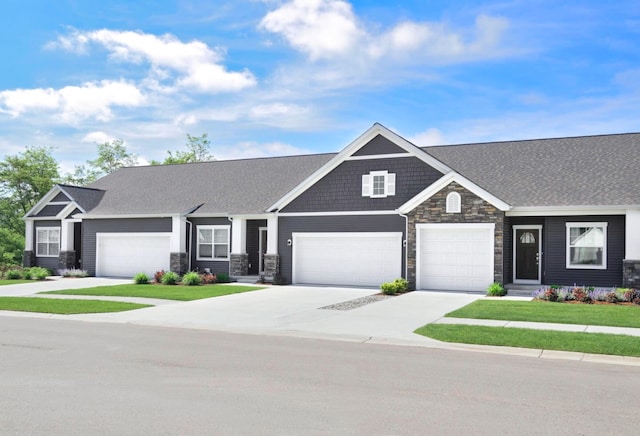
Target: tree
pixel 197 151
pixel 111 156
pixel 81 176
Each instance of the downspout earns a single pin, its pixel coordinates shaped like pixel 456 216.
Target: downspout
pixel 230 218
pixel 406 244
pixel 190 224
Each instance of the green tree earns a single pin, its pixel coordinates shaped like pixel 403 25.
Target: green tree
pixel 111 156
pixel 197 150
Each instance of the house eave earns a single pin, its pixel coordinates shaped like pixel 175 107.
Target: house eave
pixel 570 210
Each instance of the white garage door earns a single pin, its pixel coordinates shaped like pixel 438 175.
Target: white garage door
pixel 356 259
pixel 454 256
pixel 126 254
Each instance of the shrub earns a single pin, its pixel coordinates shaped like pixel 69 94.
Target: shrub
pixel 13 274
pixel 141 279
pixel 223 278
pixel 38 273
pixel 73 272
pixel 496 290
pixel 191 279
pixel 611 297
pixel 157 277
pixel 207 278
pixel 394 287
pixel 581 295
pixel 170 278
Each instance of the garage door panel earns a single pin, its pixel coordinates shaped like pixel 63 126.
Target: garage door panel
pixel 455 256
pixel 124 255
pixel 358 259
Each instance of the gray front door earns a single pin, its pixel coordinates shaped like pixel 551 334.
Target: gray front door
pixel 527 254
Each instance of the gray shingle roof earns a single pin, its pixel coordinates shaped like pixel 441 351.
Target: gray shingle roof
pixel 235 186
pixel 86 198
pixel 580 171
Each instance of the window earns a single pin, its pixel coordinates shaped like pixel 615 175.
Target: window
pixel 213 243
pixel 453 202
pixel 48 241
pixel 378 184
pixel 587 245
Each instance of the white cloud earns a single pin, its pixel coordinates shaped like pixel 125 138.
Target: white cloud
pixel 73 103
pixel 97 137
pixel 192 65
pixel 329 29
pixel 250 149
pixel 427 138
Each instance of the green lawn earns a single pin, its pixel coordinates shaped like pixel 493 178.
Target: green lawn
pixel 595 343
pixel 562 313
pixel 180 293
pixel 13 282
pixel 64 306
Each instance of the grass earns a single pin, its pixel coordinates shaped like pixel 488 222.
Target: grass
pixel 64 306
pixel 595 343
pixel 180 293
pixel 14 282
pixel 561 313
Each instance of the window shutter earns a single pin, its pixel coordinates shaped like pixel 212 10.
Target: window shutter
pixel 391 184
pixel 366 185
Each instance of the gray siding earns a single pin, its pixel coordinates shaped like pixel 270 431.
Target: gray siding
pixel 45 262
pixel 199 265
pixel 61 197
pixel 350 223
pixel 132 225
pixel 379 145
pixel 341 189
pixel 50 210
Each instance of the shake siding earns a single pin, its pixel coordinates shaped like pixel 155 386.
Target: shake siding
pixel 351 223
pixel 379 145
pixel 132 225
pixel 51 210
pixel 216 266
pixel 60 197
pixel 341 189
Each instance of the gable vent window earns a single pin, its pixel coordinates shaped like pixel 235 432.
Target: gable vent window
pixel 378 184
pixel 453 202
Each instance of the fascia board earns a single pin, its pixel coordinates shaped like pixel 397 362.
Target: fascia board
pixel 125 216
pixel 43 201
pixel 569 210
pixel 67 210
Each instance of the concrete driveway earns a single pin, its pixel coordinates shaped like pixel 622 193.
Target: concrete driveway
pixel 286 310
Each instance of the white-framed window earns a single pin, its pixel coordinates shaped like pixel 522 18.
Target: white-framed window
pixel 213 243
pixel 47 241
pixel 378 184
pixel 587 245
pixel 454 202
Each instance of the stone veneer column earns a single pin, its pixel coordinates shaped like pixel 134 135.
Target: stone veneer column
pixel 271 265
pixel 66 260
pixel 28 259
pixel 473 210
pixel 631 274
pixel 178 263
pixel 239 264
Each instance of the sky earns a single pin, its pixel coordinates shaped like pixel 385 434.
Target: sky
pixel 269 78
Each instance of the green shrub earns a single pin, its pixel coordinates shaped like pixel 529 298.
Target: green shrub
pixel 496 290
pixel 223 278
pixel 14 274
pixel 38 273
pixel 170 278
pixel 141 279
pixel 191 279
pixel 397 286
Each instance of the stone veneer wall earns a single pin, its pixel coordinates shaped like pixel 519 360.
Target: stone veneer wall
pixel 473 210
pixel 28 259
pixel 631 274
pixel 66 259
pixel 178 263
pixel 271 265
pixel 239 264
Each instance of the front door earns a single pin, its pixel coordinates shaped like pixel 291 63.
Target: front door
pixel 262 249
pixel 527 254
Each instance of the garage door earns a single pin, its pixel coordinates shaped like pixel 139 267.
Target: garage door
pixel 454 256
pixel 355 259
pixel 126 254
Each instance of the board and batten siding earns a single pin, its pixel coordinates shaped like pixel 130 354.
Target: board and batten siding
pixel 341 189
pixel 128 225
pixel 215 266
pixel 45 262
pixel 349 223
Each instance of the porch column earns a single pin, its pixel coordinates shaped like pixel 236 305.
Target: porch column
pixel 28 256
pixel 178 261
pixel 631 263
pixel 239 258
pixel 271 258
pixel 67 256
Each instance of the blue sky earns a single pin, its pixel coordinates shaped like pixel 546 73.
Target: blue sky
pixel 265 78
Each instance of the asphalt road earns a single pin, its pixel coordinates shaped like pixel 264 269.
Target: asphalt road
pixel 76 378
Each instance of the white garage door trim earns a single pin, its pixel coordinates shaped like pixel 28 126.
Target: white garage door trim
pixel 393 265
pixel 162 262
pixel 489 227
